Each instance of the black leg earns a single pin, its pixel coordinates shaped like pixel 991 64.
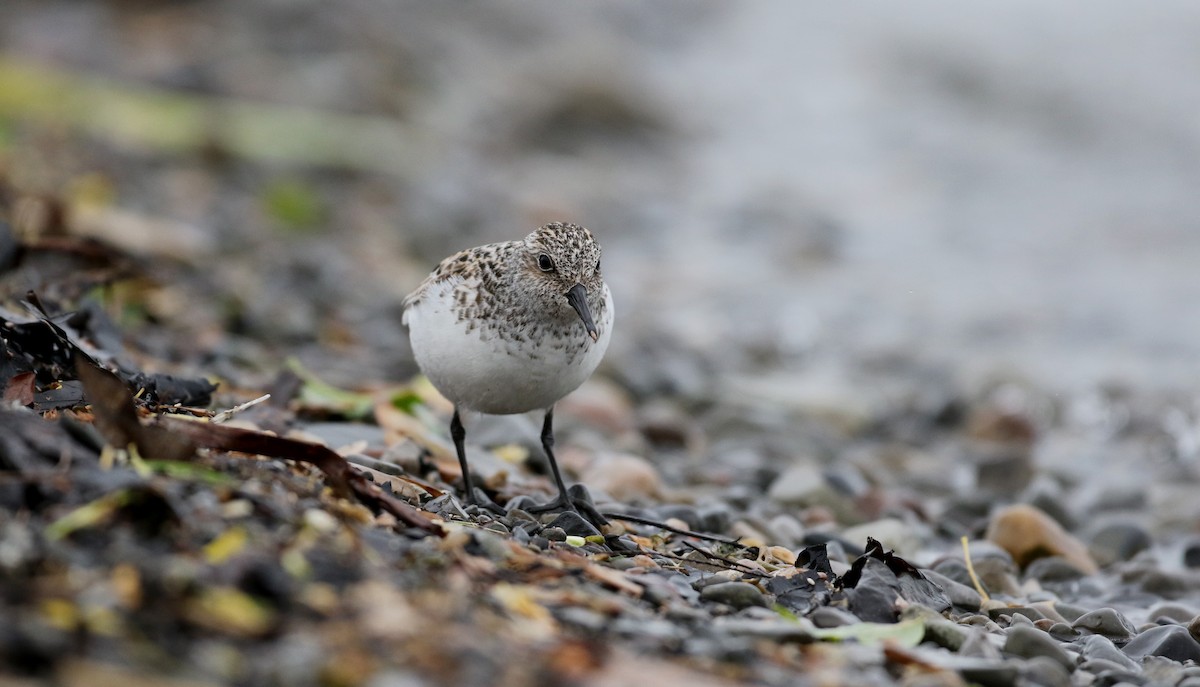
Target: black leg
pixel 459 434
pixel 548 446
pixel 474 496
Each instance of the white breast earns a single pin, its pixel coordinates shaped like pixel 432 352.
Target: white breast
pixel 478 370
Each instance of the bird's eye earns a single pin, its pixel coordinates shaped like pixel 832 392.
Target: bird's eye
pixel 597 266
pixel 545 264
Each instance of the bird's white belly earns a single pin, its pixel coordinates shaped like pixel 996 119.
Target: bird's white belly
pixel 476 369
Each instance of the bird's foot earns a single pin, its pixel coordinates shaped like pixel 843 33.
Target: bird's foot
pixel 576 499
pixel 476 497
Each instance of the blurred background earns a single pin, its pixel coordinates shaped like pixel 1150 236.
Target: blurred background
pixel 807 204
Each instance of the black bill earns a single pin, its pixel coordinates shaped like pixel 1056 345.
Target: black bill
pixel 577 297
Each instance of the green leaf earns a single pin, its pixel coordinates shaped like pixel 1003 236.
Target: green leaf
pixel 908 633
pixel 317 394
pixel 190 471
pixel 406 401
pixel 89 515
pixel 294 204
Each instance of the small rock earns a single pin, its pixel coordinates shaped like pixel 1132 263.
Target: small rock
pixel 1101 647
pixel 1053 569
pixel 1158 670
pixel 571 522
pixel 688 515
pixel 1172 641
pixel 832 616
pixel 1191 555
pixel 1118 541
pixel 1107 622
pixel 945 633
pixel 1027 642
pixel 1174 612
pixel 960 595
pixel 1004 470
pixel 1014 612
pixel 803 485
pixel 1047 672
pixel 623 476
pixel 736 594
pixel 997 576
pixel 1027 533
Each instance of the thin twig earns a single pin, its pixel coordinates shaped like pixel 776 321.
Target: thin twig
pixel 676 530
pixel 971 570
pixel 226 414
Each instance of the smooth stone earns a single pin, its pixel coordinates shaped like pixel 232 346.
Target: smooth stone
pixel 1027 642
pixel 944 633
pixel 1109 673
pixel 736 594
pixel 1172 641
pixel 687 514
pixel 1046 672
pixel 573 523
pixel 804 485
pixel 623 476
pixel 1015 612
pixel 778 629
pixel 980 643
pixel 1027 533
pixel 1003 471
pixel 1159 670
pixel 832 616
pixel 960 595
pixel 1053 569
pixel 1193 627
pixel 1101 647
pixel 990 673
pixel 1118 541
pixel 1191 555
pixel 1069 611
pixel 1107 622
pixel 1062 632
pixel 1174 612
pixel 997 577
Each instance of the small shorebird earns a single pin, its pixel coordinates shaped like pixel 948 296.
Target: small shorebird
pixel 513 327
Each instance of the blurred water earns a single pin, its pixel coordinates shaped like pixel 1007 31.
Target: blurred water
pixel 1014 184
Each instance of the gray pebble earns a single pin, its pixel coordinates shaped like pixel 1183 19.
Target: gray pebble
pixel 1101 647
pixel 1191 555
pixel 1028 642
pixel 1109 673
pixel 1107 622
pixel 573 523
pixel 1046 672
pixel 1161 671
pixel 1015 612
pixel 1118 541
pixel 1171 641
pixel 832 616
pixel 1053 569
pixel 1062 632
pixel 961 596
pixel 1174 612
pixel 945 633
pixel 554 534
pixel 736 594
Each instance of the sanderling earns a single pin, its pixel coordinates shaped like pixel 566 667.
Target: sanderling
pixel 513 327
